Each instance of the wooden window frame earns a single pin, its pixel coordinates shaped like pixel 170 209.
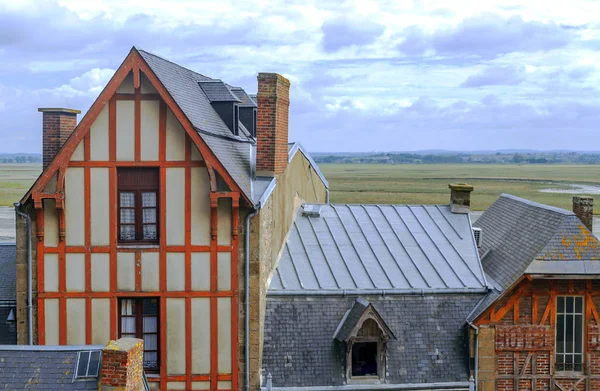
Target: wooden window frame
pixel 138 189
pixel 139 325
pixel 381 341
pixel 582 332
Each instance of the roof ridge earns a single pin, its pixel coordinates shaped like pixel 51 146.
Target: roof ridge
pixel 538 204
pixel 174 63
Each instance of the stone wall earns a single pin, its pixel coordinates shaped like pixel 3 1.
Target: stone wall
pixel 21 283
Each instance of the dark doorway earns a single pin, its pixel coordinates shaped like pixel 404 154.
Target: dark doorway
pixel 364 359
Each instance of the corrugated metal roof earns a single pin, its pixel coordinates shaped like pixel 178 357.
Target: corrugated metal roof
pixel 379 247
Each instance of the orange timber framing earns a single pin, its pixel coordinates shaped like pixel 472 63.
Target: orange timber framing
pixel 134 63
pixel 532 303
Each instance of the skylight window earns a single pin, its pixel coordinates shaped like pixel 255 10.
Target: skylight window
pixel 88 364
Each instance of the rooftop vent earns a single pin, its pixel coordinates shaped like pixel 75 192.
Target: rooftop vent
pixel 478 234
pixel 311 210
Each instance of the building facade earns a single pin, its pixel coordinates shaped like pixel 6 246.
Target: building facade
pixel 138 220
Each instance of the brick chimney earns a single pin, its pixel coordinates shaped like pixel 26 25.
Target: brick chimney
pixel 272 124
pixel 460 197
pixel 583 207
pixel 57 126
pixel 122 366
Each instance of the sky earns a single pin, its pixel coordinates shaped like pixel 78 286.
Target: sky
pixel 365 75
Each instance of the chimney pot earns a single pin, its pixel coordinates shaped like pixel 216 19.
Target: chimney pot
pixel 583 207
pixel 57 126
pixel 460 197
pixel 272 124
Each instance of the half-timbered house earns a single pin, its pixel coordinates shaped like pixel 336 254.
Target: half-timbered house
pixel 159 216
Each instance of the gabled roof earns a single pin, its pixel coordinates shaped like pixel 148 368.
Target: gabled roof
pixel 8 276
pixel 297 147
pixel 525 237
pixel 24 367
pixel 245 100
pixel 376 248
pixel 347 326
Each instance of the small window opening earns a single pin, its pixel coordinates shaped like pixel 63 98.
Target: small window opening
pixel 364 359
pixel 88 364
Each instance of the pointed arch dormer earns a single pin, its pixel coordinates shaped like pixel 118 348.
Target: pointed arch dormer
pixel 365 335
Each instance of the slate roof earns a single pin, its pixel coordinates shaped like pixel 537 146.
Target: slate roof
pixel 42 368
pixel 234 152
pixel 217 91
pixel 431 344
pixel 379 247
pixel 525 237
pixel 8 275
pixel 193 93
pixel 352 317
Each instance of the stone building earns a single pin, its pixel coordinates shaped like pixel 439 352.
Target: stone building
pixel 154 213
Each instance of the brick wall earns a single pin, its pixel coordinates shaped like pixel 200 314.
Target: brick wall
pixel 272 124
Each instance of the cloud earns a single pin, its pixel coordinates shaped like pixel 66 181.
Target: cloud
pixel 496 76
pixel 488 35
pixel 340 33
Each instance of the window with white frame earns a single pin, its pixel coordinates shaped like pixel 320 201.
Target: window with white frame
pixel 569 333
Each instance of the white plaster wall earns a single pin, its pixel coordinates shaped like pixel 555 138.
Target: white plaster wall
pixel 223 385
pixel 175 271
pixel 75 272
pixel 100 272
pixel 99 207
pixel 51 272
pixel 224 271
pixel 149 129
pixel 175 206
pixel 100 321
pixel 75 322
pixel 201 385
pixel 127 86
pixel 50 224
pixel 150 272
pixel 175 148
pixel 200 208
pixel 176 385
pixel 99 136
pixel 125 271
pixel 145 86
pixel 195 153
pixel 74 208
pixel 175 336
pixel 125 130
pixel 78 155
pixel 201 336
pixel 224 334
pixel 224 224
pixel 51 321
pixel 201 271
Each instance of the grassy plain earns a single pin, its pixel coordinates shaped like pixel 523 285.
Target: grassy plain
pixel 15 180
pixel 428 184
pixel 402 183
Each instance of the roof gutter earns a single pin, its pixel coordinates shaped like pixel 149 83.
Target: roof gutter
pixel 29 283
pixel 388 387
pixel 379 292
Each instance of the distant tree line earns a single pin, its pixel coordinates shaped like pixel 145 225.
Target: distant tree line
pixel 21 159
pixel 458 158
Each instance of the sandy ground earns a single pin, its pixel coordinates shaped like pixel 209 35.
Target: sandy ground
pixel 7 224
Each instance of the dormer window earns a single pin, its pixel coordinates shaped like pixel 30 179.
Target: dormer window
pixel 365 335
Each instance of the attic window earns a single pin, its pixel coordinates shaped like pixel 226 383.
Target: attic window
pixel 88 364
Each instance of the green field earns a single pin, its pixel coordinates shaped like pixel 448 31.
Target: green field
pixel 15 180
pixel 428 184
pixel 403 183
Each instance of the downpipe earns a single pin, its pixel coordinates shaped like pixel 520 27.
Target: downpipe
pixel 29 282
pixel 247 299
pixel 476 366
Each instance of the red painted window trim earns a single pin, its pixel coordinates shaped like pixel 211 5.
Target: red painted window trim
pixel 139 324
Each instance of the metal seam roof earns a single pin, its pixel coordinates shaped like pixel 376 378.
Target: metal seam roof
pixel 379 248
